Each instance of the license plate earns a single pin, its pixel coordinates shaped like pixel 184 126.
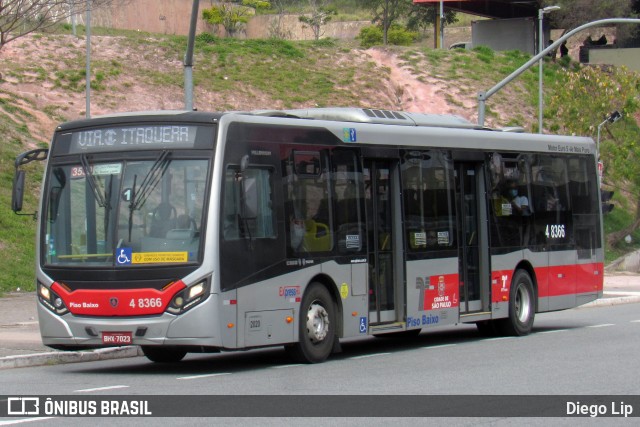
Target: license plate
pixel 117 338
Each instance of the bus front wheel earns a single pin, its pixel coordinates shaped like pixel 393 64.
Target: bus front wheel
pixel 522 306
pixel 316 326
pixel 161 354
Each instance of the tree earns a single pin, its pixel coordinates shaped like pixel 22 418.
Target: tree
pixel 421 17
pixel 583 97
pixel 233 16
pixel 21 17
pixel 276 28
pixel 320 15
pixel 386 12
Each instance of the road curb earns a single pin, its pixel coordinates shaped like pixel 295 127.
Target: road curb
pixel 56 357
pixel 613 301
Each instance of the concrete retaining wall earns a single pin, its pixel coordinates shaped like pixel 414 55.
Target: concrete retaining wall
pixel 173 17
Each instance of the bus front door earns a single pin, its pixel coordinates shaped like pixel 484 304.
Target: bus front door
pixel 382 203
pixel 473 252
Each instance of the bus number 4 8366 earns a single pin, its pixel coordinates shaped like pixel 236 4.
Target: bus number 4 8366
pixel 146 303
pixel 555 231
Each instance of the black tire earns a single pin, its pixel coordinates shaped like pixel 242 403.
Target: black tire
pixel 522 306
pixel 161 354
pixel 317 326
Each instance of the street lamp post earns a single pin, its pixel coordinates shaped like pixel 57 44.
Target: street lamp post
pixel 541 13
pixel 612 118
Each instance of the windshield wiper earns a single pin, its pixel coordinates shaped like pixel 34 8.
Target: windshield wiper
pixel 153 177
pixel 102 202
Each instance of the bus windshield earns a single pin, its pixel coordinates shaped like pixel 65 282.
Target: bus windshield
pixel 124 213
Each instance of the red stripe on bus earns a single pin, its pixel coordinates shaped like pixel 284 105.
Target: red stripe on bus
pixel 118 302
pixel 554 281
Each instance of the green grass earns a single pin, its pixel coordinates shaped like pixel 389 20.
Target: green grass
pixel 17 233
pixel 291 74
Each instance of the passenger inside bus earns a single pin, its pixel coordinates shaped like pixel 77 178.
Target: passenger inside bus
pixel 510 202
pixel 519 204
pixel 162 220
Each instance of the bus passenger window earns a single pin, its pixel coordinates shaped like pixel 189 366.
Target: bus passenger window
pixel 248 204
pixel 428 199
pixel 308 206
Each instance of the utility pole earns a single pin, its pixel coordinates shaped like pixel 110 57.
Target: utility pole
pixel 188 58
pixel 88 63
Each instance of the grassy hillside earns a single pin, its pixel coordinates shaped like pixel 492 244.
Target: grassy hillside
pixel 42 83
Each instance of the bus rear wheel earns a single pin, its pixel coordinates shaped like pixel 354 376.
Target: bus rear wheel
pixel 522 306
pixel 161 354
pixel 316 326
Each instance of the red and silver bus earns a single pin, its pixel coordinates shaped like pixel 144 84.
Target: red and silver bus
pixel 200 232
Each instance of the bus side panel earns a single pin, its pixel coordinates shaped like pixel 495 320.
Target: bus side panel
pixel 351 283
pixel 590 278
pixel 228 309
pixel 433 293
pixel 282 293
pixel 562 280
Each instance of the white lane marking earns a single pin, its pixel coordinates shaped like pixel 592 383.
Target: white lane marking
pixel 552 332
pixel 635 321
pixel 24 420
pixel 195 377
pixel 111 387
pixel 369 355
pixel 287 366
pixel 604 325
pixel 439 346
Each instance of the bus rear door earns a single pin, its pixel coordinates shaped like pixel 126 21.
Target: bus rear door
pixel 384 253
pixel 473 245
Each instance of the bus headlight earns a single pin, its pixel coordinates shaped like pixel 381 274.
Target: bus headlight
pixel 51 300
pixel 189 297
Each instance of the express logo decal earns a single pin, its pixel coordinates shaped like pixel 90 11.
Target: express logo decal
pixel 291 293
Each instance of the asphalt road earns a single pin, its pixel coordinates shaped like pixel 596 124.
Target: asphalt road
pixel 593 350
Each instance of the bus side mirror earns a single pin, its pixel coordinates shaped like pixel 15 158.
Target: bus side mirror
pixel 18 191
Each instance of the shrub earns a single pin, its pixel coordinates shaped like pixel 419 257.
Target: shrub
pixel 370 36
pixel 400 36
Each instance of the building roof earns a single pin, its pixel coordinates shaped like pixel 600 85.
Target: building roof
pixel 490 8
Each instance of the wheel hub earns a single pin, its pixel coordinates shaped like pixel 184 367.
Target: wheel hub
pixel 522 304
pixel 317 323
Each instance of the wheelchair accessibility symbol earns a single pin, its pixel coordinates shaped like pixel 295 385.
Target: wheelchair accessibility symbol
pixel 363 325
pixel 123 256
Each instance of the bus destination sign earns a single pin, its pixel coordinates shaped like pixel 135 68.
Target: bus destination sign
pixel 133 137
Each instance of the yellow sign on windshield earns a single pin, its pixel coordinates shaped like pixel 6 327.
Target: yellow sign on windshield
pixel 158 257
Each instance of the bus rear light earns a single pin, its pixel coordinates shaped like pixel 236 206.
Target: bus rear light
pixel 51 300
pixel 189 297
